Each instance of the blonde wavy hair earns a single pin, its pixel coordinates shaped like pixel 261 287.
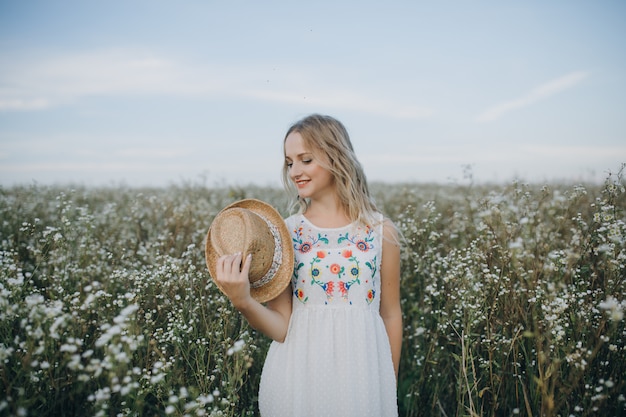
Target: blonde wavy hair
pixel 328 140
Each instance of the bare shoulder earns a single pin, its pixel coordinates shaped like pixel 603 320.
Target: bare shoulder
pixel 390 233
pixel 390 268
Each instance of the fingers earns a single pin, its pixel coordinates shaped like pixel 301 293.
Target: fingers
pixel 246 265
pixel 233 277
pixel 228 263
pixel 229 267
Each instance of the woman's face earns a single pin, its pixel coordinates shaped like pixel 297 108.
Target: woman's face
pixel 310 178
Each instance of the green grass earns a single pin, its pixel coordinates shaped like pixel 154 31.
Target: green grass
pixel 513 299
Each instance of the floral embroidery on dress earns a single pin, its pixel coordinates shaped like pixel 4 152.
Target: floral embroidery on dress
pixel 362 244
pixel 329 262
pixel 373 268
pixel 315 272
pixel 355 272
pixel 298 292
pixel 330 286
pixel 304 246
pixel 300 295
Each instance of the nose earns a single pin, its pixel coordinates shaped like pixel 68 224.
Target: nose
pixel 295 171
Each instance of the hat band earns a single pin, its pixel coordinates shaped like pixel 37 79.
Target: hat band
pixel 276 261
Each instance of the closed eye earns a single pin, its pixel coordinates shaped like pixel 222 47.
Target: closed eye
pixel 305 160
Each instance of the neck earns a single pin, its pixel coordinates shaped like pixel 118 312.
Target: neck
pixel 327 213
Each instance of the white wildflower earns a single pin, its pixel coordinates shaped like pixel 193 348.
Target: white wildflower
pixel 239 344
pixel 106 337
pixel 155 379
pixel 206 399
pixel 5 352
pixel 125 313
pixel 613 307
pixel 68 348
pixel 33 300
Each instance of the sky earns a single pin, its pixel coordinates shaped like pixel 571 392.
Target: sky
pixel 155 93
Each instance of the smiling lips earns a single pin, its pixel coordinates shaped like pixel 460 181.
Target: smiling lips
pixel 301 183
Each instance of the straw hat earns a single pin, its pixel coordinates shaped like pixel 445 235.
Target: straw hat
pixel 253 226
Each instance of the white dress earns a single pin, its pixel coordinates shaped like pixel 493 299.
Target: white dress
pixel 336 357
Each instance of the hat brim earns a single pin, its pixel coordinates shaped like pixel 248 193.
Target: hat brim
pixel 283 275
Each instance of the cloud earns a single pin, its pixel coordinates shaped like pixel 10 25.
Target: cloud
pixel 23 104
pixel 46 82
pixel 578 154
pixel 437 154
pixel 536 94
pixel 28 84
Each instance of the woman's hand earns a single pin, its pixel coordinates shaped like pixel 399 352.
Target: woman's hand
pixel 233 277
pixel 273 319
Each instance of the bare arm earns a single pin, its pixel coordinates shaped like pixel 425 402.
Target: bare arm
pixel 390 309
pixel 271 319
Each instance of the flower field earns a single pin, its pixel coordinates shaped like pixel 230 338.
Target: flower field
pixel 513 299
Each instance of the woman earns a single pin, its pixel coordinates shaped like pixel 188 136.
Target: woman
pixel 337 330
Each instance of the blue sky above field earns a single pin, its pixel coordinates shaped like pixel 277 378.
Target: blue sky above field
pixel 155 92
